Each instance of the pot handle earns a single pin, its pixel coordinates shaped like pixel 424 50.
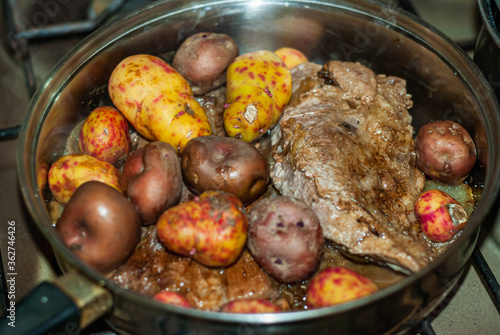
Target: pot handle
pixel 66 305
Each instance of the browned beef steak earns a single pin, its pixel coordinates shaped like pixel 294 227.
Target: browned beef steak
pixel 347 150
pixel 151 269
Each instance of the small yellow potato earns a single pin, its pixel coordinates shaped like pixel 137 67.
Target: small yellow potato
pixel 254 81
pixel 70 171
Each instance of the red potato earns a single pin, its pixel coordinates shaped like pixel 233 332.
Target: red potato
pixel 337 285
pixel 152 180
pixel 70 171
pixel 445 152
pixel 250 306
pixel 100 225
pixel 441 217
pixel 225 164
pixel 285 238
pixel 105 135
pixel 212 229
pixel 203 59
pixel 172 298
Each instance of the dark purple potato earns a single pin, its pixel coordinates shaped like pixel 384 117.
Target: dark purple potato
pixel 285 238
pixel 203 59
pixel 100 225
pixel 213 163
pixel 445 152
pixel 152 180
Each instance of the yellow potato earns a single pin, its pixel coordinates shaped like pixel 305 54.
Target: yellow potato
pixel 70 171
pixel 250 113
pixel 253 76
pixel 291 57
pixel 157 101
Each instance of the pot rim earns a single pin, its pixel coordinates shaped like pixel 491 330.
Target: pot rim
pixel 395 19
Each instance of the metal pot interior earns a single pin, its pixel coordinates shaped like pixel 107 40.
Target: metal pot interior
pixel 443 81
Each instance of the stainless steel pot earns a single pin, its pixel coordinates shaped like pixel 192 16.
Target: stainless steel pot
pixel 444 83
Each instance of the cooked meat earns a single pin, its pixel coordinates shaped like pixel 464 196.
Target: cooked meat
pixel 246 279
pixel 347 149
pixel 151 269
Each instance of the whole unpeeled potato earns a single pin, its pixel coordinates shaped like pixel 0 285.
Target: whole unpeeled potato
pixel 212 228
pixel 225 164
pixel 259 86
pixel 105 135
pixel 203 59
pixel 285 238
pixel 100 225
pixel 445 151
pixel 70 171
pixel 157 101
pixel 152 180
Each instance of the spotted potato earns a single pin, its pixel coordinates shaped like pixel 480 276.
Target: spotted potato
pixel 337 285
pixel 70 171
pixel 291 56
pixel 250 78
pixel 441 216
pixel 157 101
pixel 212 228
pixel 250 306
pixel 105 135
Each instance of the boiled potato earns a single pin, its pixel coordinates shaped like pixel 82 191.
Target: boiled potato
pixel 337 285
pixel 203 59
pixel 157 101
pixel 105 135
pixel 285 238
pixel 225 164
pixel 291 56
pixel 212 228
pixel 70 171
pixel 445 151
pixel 259 86
pixel 100 226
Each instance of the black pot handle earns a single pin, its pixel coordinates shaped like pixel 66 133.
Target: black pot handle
pixel 46 309
pixel 66 306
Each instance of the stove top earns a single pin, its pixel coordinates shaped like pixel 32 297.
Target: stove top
pixel 39 44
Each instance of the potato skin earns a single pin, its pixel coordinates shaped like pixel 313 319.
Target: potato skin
pixel 152 180
pixel 100 225
pixel 250 306
pixel 172 298
pixel 157 101
pixel 203 59
pixel 337 285
pixel 225 164
pixel 212 229
pixel 70 171
pixel 291 56
pixel 441 216
pixel 285 238
pixel 445 151
pixel 254 81
pixel 105 135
